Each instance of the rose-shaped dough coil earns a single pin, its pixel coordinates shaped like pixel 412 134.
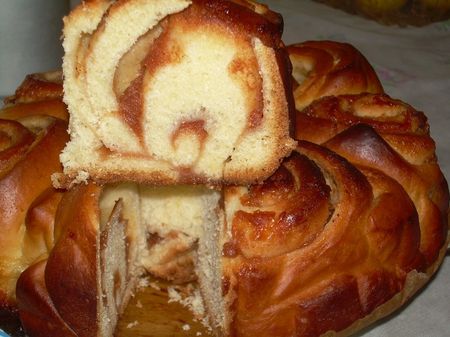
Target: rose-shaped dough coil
pixel 39 94
pixel 328 68
pixel 317 247
pixel 32 134
pixel 401 147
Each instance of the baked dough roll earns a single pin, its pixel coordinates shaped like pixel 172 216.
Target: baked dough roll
pixel 322 248
pixel 175 91
pixel 32 134
pixel 37 311
pixel 401 147
pixel 329 68
pixel 38 94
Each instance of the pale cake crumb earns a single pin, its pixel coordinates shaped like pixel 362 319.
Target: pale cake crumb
pixel 186 327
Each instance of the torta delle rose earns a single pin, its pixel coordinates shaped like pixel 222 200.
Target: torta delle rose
pixel 346 227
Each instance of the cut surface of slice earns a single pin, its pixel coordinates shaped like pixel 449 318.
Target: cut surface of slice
pixel 175 91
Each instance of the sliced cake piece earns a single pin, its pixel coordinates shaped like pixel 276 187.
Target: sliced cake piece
pixel 175 91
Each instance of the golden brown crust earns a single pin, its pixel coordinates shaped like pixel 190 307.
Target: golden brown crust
pixel 328 116
pixel 54 108
pixel 30 143
pixel 401 147
pixel 424 183
pixel 73 259
pixel 414 281
pixel 395 156
pixel 58 295
pixel 38 94
pixel 328 68
pixel 254 19
pixel 38 87
pixel 37 312
pixel 15 139
pixel 348 254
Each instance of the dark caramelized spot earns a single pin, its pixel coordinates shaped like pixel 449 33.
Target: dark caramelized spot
pixel 117 286
pixel 165 50
pixel 195 128
pixel 225 285
pixel 276 188
pixel 230 249
pixel 153 239
pixel 241 16
pixel 131 108
pixel 71 235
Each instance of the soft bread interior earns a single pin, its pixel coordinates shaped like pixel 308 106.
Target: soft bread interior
pixel 180 97
pixel 173 219
pixel 209 265
pixel 113 270
pixel 182 225
pixel 117 253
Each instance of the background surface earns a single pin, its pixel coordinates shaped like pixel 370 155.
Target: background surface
pixel 30 32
